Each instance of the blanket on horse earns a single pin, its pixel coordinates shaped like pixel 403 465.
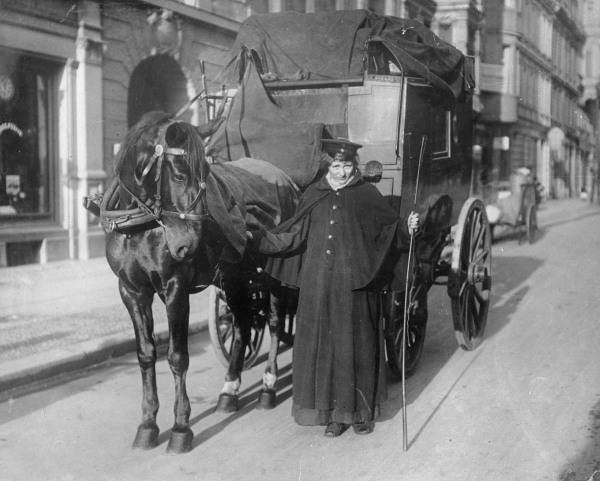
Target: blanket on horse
pixel 248 194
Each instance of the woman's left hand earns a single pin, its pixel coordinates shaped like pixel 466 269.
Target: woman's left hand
pixel 414 223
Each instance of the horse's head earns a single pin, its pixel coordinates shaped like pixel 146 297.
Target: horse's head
pixel 161 168
pixel 183 189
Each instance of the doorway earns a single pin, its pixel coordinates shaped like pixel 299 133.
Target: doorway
pixel 157 83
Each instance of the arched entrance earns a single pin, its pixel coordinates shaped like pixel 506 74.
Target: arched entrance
pixel 157 83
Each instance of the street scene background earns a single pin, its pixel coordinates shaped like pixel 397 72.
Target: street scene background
pixel 524 405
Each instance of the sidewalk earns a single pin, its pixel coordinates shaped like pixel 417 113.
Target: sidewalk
pixel 65 316
pixel 68 315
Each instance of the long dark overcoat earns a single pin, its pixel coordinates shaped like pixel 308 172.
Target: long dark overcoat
pixel 336 250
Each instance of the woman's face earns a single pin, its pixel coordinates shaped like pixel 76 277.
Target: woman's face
pixel 341 170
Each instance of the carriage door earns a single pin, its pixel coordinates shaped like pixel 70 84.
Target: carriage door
pixel 373 122
pixel 426 112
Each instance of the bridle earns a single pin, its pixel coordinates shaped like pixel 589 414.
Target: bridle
pixel 157 210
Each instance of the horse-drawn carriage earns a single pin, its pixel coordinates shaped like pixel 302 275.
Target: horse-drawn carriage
pixel 513 204
pixel 177 214
pixel 405 96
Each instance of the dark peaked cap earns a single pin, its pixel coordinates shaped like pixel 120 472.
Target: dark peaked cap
pixel 340 146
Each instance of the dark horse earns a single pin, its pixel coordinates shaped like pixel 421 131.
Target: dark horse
pixel 142 255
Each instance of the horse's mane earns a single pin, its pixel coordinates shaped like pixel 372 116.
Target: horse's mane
pixel 140 138
pixel 187 137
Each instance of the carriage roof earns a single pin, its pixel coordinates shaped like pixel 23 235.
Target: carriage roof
pixel 332 45
pixel 318 53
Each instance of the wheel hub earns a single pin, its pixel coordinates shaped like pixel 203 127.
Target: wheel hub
pixel 477 273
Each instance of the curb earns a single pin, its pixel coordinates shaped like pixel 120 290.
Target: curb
pixel 29 370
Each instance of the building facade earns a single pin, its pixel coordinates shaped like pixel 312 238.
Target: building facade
pixel 530 90
pixel 590 98
pixel 74 76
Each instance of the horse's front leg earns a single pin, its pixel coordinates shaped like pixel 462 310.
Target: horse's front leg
pixel 177 302
pixel 139 305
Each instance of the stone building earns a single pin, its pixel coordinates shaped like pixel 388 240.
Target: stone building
pixel 74 75
pixel 590 99
pixel 530 91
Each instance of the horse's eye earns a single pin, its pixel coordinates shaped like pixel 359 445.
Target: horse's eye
pixel 180 169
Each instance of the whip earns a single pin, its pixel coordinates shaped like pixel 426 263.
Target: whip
pixel 405 317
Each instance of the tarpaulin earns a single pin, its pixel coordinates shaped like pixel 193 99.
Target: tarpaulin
pixel 326 46
pixel 259 128
pixel 331 45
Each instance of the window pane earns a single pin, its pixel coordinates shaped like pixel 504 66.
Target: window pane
pixel 26 106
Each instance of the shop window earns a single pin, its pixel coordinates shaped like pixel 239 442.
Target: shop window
pixel 27 136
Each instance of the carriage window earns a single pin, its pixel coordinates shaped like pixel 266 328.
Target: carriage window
pixel 429 113
pixel 381 61
pixel 440 132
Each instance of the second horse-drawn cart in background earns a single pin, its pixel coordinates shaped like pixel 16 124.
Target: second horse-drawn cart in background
pixel 513 205
pixel 405 96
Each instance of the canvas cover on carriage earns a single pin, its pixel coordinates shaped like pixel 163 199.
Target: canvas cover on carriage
pixel 331 46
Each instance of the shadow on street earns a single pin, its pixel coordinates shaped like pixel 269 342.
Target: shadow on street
pixel 440 343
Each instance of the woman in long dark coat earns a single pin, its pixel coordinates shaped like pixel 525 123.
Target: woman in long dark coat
pixel 336 249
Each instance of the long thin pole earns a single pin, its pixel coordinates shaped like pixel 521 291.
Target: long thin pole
pixel 406 290
pixel 204 88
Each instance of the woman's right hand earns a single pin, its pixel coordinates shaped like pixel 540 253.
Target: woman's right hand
pixel 414 223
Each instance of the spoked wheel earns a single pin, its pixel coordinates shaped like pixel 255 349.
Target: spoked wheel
pixel 220 327
pixel 416 322
pixel 470 277
pixel 531 223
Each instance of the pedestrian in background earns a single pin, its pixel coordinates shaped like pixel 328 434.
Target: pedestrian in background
pixel 337 250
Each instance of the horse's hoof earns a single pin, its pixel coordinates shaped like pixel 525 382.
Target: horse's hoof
pixel 267 399
pixel 180 441
pixel 227 403
pixel 146 436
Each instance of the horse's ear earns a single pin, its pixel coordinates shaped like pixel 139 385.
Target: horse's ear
pixel 175 136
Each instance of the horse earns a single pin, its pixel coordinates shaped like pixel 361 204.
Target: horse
pixel 139 251
pixel 212 207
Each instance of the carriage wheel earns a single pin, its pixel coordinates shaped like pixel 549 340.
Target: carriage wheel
pixel 531 223
pixel 470 277
pixel 220 328
pixel 416 322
